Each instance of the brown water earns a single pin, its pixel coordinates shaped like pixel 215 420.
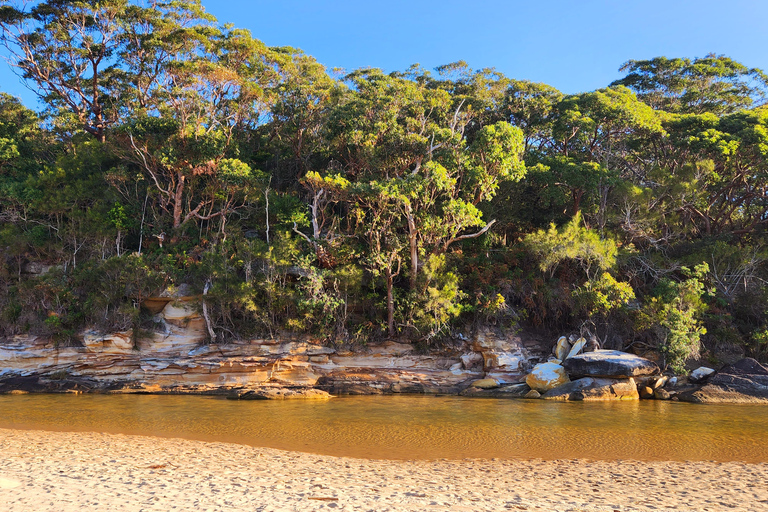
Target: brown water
pixel 417 427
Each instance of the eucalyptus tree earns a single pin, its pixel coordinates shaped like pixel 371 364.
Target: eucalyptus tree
pixel 593 136
pixel 303 97
pixel 713 83
pixel 99 60
pixel 411 139
pixel 189 147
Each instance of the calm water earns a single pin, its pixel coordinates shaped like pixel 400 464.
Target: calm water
pixel 417 427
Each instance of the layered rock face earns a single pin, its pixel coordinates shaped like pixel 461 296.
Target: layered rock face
pixel 175 360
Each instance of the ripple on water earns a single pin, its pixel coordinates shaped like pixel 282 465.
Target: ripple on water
pixel 417 427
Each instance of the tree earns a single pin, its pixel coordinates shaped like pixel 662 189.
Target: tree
pixel 411 139
pixel 89 58
pixel 208 101
pixel 714 83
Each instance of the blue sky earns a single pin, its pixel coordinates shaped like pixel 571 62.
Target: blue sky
pixel 574 45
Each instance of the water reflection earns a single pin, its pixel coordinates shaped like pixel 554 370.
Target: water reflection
pixel 417 427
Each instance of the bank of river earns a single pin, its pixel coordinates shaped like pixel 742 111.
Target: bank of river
pixel 417 427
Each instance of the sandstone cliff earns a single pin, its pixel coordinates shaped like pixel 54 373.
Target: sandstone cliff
pixel 174 359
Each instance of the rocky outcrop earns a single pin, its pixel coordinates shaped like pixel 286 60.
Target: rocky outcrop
pixel 506 356
pixel 281 394
pixel 594 389
pixel 745 381
pixel 609 364
pixel 175 359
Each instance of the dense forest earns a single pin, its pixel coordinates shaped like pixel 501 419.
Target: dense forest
pixel 177 152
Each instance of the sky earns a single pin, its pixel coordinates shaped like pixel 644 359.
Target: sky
pixel 573 45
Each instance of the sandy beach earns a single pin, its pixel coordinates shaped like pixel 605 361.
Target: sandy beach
pixel 61 471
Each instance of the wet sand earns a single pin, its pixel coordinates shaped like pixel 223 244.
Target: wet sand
pixel 63 472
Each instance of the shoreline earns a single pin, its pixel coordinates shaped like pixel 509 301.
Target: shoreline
pixel 70 471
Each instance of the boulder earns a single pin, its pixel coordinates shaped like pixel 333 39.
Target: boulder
pixel 662 394
pixel 562 348
pixel 745 381
pixel 546 376
pixel 610 364
pixel 485 384
pixel 661 381
pixel 700 374
pixel 594 389
pixel 646 392
pixel 577 347
pixel 532 394
pixel 509 391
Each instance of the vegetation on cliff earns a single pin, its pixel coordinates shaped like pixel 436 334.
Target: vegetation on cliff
pixel 175 150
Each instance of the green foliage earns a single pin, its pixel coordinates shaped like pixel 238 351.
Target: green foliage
pixel 602 295
pixel 714 83
pixel 675 312
pixel 575 243
pixel 442 302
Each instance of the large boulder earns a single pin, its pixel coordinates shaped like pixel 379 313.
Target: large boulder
pixel 594 389
pixel 507 391
pixel 576 348
pixel 610 364
pixel 546 376
pixel 562 348
pixel 745 381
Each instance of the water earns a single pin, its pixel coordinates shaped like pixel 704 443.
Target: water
pixel 417 427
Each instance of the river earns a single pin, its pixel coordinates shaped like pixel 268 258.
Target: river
pixel 417 427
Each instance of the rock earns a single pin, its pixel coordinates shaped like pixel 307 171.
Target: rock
pixel 577 347
pixel 645 392
pixel 610 364
pixel 505 378
pixel 562 348
pixel 532 394
pixel 594 389
pixel 661 381
pixel 471 360
pixel 485 384
pixel 510 362
pixel 700 374
pixel 746 381
pixel 173 361
pixel 115 343
pixel 282 394
pixel 546 376
pixel 509 391
pixel 673 381
pixel 178 292
pixel 661 394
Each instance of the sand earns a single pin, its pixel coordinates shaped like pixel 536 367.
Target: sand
pixel 62 472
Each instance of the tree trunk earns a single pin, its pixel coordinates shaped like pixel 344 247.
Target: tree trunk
pixel 414 248
pixel 177 200
pixel 390 303
pixel 206 316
